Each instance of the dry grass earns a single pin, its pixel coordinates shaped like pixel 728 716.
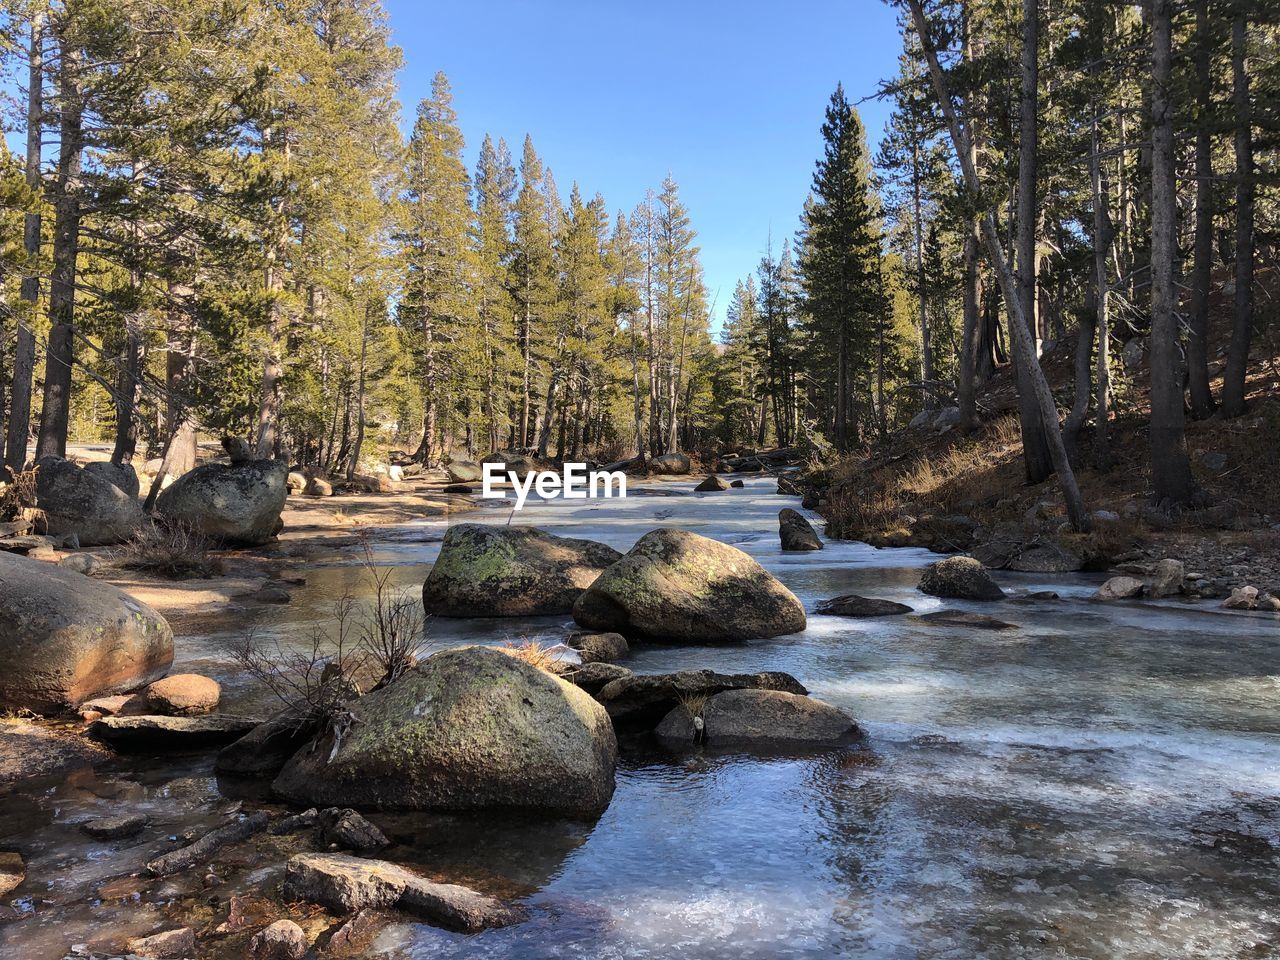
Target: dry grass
pixel 532 652
pixel 172 550
pixel 17 493
pixel 694 703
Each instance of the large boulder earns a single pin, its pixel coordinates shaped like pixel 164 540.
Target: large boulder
pixel 237 503
pixel 757 717
pixel 681 586
pixel 83 504
pixel 470 728
pixel 959 578
pixel 463 471
pixel 65 638
pixel 121 475
pixel 670 463
pixel 796 532
pixel 488 571
pixel 640 701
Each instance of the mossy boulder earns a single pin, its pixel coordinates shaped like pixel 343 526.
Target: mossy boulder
pixel 488 571
pixel 959 578
pixel 678 585
pixel 469 728
pixel 65 639
pixel 84 504
pixel 235 503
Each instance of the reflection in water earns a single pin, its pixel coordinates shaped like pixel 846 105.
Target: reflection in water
pixel 1098 782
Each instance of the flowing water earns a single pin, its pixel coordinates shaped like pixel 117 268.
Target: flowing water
pixel 1101 781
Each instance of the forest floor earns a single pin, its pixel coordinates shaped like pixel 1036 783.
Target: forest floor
pixel 899 493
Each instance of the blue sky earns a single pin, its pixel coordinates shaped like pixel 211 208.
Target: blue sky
pixel 727 96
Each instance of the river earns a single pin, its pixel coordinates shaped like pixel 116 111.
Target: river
pixel 1101 781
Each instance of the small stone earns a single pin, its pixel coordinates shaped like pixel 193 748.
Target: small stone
pixel 116 828
pixel 1106 516
pixel 169 945
pixel 183 694
pixel 283 940
pixel 348 830
pixel 12 871
pixel 712 484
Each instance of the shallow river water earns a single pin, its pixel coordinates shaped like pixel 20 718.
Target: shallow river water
pixel 1101 781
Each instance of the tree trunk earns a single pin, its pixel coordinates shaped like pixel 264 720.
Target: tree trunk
pixel 354 463
pixel 60 356
pixel 1170 466
pixel 1020 331
pixel 424 454
pixel 1083 379
pixel 24 355
pixel 1103 233
pixel 969 338
pixel 1233 384
pixel 128 393
pixel 926 347
pixel 1198 322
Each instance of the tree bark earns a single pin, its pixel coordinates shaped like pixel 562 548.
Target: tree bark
pixel 1170 466
pixel 1233 384
pixel 1198 325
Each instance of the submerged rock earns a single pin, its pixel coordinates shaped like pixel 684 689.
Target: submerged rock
pixel 681 586
pixel 959 578
pixel 852 605
pixel 712 484
pixel 171 733
pixel 116 828
pixel 645 700
pixel 758 717
pixel 65 638
pixel 963 618
pixel 487 571
pixel 796 532
pixel 346 884
pixel 236 503
pixel 469 728
pixel 1119 588
pixel 84 504
pixel 183 694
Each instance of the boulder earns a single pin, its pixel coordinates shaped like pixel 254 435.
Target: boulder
pixel 671 464
pixel 85 564
pixel 712 484
pixel 1046 557
pixel 796 532
pixel 463 471
pixel 116 828
pixel 346 884
pixel 852 605
pixel 599 647
pixel 737 484
pixel 678 585
pixel 237 503
pixel 490 571
pixel 169 945
pixel 591 677
pixel 640 701
pixel 12 871
pixel 759 717
pixel 469 728
pixel 1242 598
pixel 318 487
pixel 347 829
pixel 513 464
pixel 959 578
pixel 1166 579
pixel 120 475
pixel 1119 588
pixel 963 618
pixel 84 505
pixel 789 487
pixel 65 638
pixel 171 733
pixel 296 482
pixel 282 940
pixel 183 694
pixel 265 749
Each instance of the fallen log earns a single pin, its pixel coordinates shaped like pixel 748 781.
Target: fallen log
pixel 186 857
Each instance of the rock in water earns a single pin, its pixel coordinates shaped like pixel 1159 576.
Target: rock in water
pixel 171 733
pixel 760 717
pixel 1119 588
pixel 237 503
pixel 346 884
pixel 681 586
pixel 599 647
pixel 265 749
pixel 121 475
pixel 1166 579
pixel 591 677
pixel 670 463
pixel 347 829
pixel 796 532
pixel 486 571
pixel 116 828
pixel 183 694
pixel 469 728
pixel 641 701
pixel 963 618
pixel 65 639
pixel 852 605
pixel 282 940
pixel 959 578
pixel 711 484
pixel 84 504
